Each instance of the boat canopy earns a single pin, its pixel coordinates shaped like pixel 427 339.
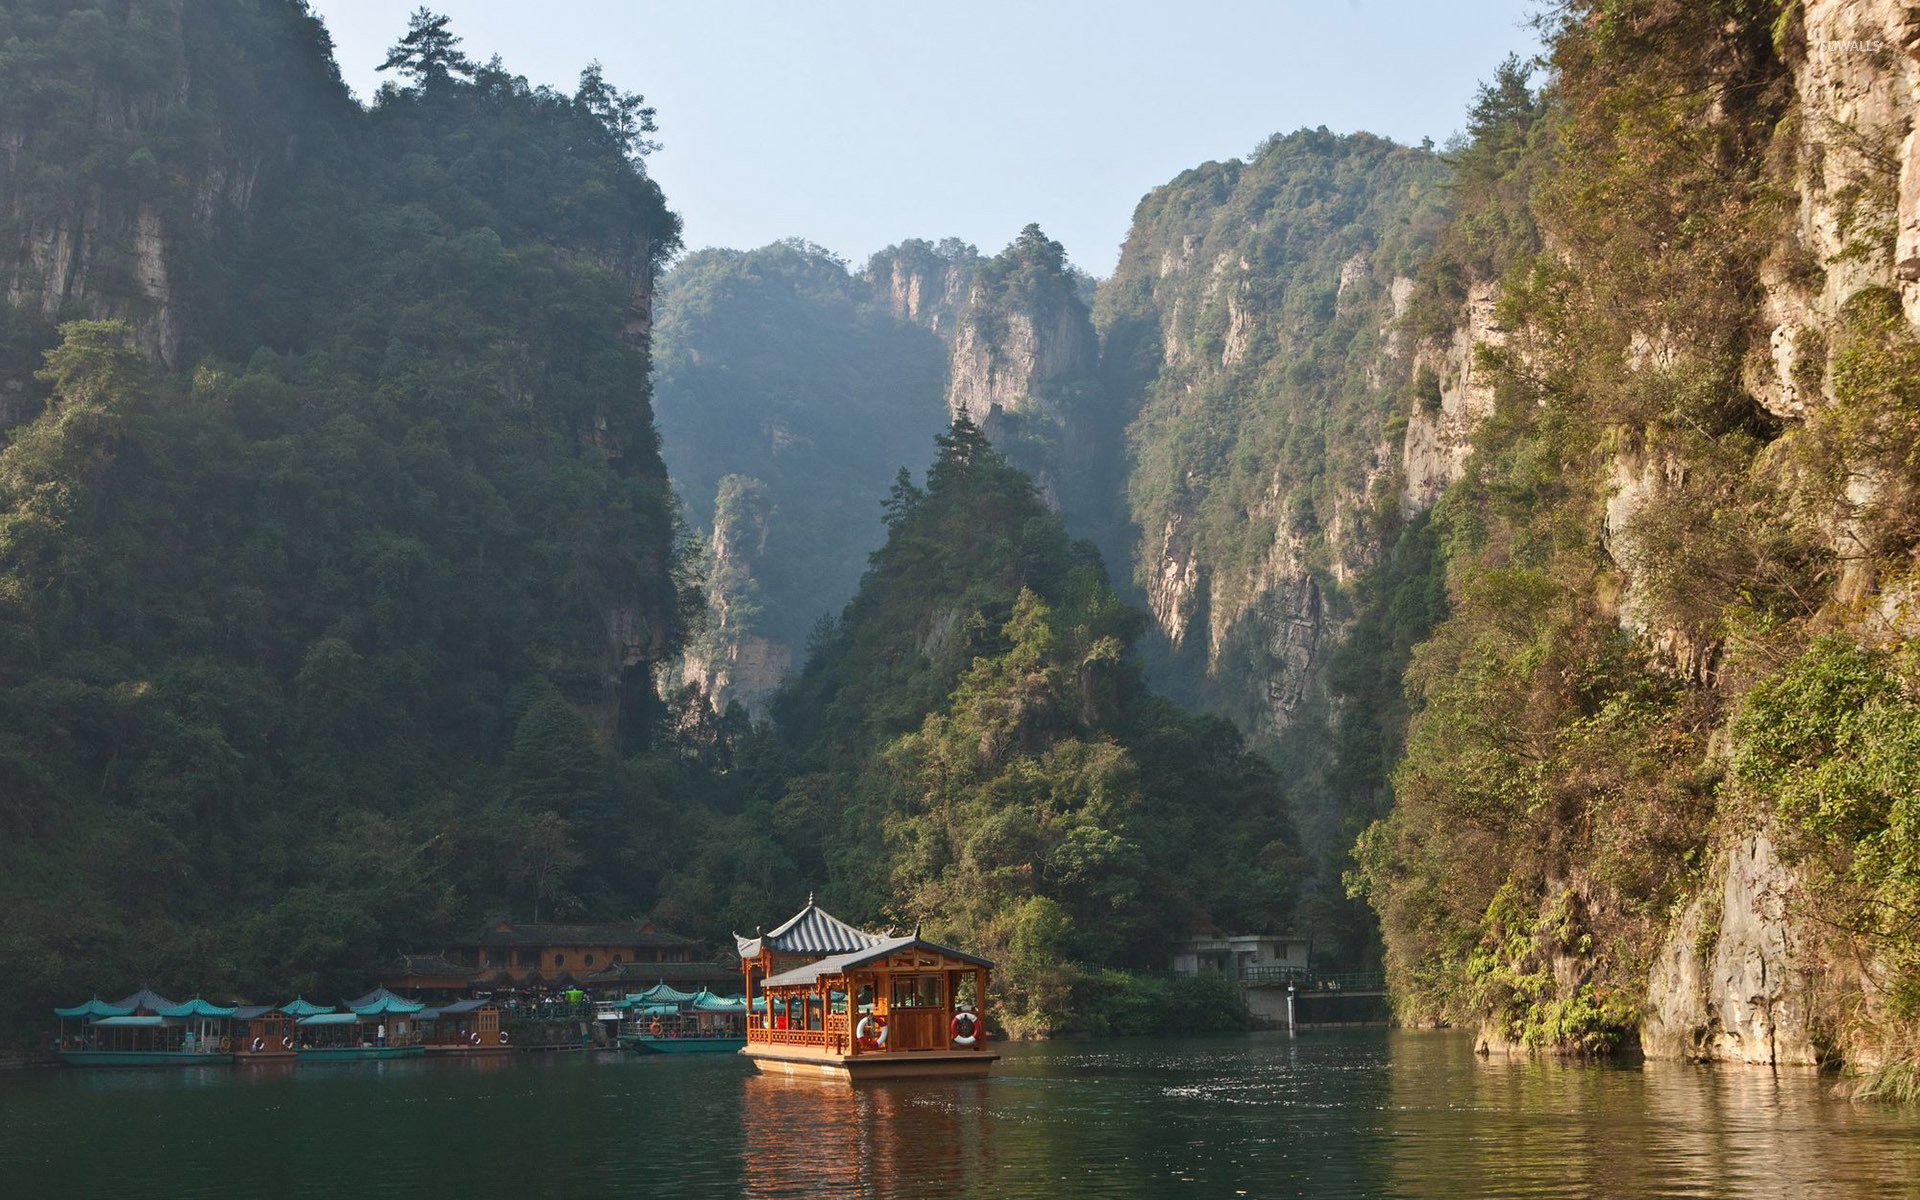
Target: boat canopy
pixel 95 1007
pixel 657 1010
pixel 387 1006
pixel 706 1001
pixel 132 1022
pixel 456 1009
pixel 331 1018
pixel 253 1012
pixel 145 1000
pixel 197 1007
pixel 660 993
pixel 300 1006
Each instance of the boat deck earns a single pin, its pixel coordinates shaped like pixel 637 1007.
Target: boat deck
pixel 904 1064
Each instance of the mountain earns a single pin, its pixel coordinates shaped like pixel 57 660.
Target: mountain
pixel 788 400
pixel 1657 781
pixel 336 550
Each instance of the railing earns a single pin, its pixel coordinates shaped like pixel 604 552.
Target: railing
pixel 789 1037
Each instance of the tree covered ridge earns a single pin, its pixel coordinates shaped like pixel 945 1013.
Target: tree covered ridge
pixel 1672 630
pixel 972 749
pixel 339 635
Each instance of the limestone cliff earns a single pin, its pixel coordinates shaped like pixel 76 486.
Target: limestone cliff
pixel 119 188
pixel 1251 337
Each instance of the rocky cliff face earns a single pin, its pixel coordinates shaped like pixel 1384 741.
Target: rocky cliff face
pixel 117 189
pixel 1250 337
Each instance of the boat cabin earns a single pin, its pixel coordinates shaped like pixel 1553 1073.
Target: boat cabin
pixel 262 1033
pixel 463 1027
pixel 831 999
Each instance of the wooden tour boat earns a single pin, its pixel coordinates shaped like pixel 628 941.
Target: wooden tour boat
pixel 146 1030
pixel 665 1020
pixel 465 1027
pixel 379 1025
pixel 838 1002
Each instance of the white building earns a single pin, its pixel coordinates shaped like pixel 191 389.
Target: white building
pixel 1235 953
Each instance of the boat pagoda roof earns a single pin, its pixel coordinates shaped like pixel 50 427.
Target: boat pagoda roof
pixel 457 1008
pixel 145 1000
pixel 840 964
pixel 253 1012
pixel 812 930
pixel 331 1018
pixel 380 1001
pixel 95 1007
pixel 132 1022
pixel 197 1007
pixel 300 1006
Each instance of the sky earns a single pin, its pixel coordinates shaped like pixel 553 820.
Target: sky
pixel 857 123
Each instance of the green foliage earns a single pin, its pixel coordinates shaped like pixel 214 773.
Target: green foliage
pixel 1833 742
pixel 775 366
pixel 304 639
pixel 1009 783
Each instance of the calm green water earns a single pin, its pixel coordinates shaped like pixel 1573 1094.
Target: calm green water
pixel 1373 1114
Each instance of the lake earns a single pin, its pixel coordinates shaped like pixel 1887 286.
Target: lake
pixel 1327 1115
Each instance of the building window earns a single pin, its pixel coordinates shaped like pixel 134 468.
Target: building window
pixel 559 960
pixel 589 960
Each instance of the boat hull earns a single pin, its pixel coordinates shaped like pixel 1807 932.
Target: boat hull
pixel 358 1053
pixel 643 1044
pixel 799 1061
pixel 144 1058
pixel 465 1050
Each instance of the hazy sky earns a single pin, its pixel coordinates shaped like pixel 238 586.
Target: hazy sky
pixel 856 123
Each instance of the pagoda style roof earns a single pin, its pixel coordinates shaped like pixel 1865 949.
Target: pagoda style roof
pixel 840 964
pixel 380 1002
pixel 145 1001
pixel 510 933
pixel 252 1012
pixel 457 1008
pixel 94 1008
pixel 300 1006
pixel 196 1007
pixel 812 930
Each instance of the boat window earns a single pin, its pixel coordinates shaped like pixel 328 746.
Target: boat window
pixel 559 960
pixel 589 960
pixel 918 991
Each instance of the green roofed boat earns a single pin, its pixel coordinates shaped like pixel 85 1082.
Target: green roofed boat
pixel 668 1021
pixel 145 1030
pixel 379 1025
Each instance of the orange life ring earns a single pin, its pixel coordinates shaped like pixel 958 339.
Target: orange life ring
pixel 654 1028
pixel 972 1034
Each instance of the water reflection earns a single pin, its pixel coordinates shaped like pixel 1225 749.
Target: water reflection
pixel 882 1139
pixel 1518 1128
pixel 1330 1115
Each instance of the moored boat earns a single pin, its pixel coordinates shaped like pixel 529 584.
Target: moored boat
pixel 668 1021
pixel 464 1027
pixel 377 1026
pixel 844 1003
pixel 145 1030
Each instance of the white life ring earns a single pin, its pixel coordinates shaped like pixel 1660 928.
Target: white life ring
pixel 474 1038
pixel 972 1035
pixel 503 1037
pixel 259 1044
pixel 867 1026
pixel 286 1043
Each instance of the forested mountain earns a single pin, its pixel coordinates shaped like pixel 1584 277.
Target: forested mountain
pixel 1660 774
pixel 787 398
pixel 335 545
pixel 971 749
